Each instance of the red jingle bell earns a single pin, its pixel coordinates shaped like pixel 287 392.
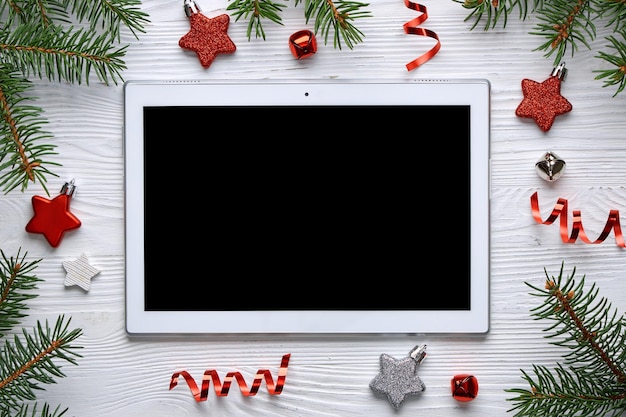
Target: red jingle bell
pixel 464 387
pixel 302 44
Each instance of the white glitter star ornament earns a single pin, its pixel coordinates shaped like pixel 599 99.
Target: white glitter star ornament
pixel 79 272
pixel 398 377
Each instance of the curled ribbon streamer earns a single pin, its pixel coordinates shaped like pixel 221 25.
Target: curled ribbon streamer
pixel 560 209
pixel 411 28
pixel 221 390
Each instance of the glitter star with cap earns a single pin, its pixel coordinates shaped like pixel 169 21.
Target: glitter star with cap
pixel 79 272
pixel 207 37
pixel 543 101
pixel 398 377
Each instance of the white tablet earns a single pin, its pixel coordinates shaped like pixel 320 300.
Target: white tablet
pixel 352 207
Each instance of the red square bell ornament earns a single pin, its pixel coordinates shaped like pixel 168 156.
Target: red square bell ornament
pixel 464 387
pixel 302 44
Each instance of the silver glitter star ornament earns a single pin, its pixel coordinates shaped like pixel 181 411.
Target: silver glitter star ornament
pixel 398 377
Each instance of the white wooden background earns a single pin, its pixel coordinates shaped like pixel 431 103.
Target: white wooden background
pixel 329 376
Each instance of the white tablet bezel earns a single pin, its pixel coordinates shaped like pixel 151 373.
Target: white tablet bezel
pixel 472 92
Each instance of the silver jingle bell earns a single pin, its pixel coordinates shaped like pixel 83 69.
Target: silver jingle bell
pixel 550 167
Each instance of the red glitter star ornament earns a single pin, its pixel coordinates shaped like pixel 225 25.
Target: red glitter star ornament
pixel 207 37
pixel 543 101
pixel 53 217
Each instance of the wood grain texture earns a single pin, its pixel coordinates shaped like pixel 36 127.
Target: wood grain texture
pixel 328 376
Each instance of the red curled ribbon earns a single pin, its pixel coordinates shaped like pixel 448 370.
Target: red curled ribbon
pixel 411 28
pixel 560 209
pixel 222 390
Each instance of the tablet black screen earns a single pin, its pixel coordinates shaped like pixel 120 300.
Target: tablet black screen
pixel 307 208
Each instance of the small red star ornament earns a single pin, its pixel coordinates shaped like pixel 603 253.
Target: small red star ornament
pixel 207 37
pixel 53 217
pixel 543 101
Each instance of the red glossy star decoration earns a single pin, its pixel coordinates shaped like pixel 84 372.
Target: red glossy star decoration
pixel 208 37
pixel 543 102
pixel 52 218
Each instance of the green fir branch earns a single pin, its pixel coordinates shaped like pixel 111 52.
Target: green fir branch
pixel 26 411
pixel 57 53
pixel 615 12
pixel 256 11
pixel 337 18
pixel 16 285
pixel 565 25
pixel 590 382
pixel 331 17
pixel 38 39
pixel 558 392
pixel 30 359
pixel 491 13
pixel 24 150
pixel 110 15
pixel 615 75
pixel 44 13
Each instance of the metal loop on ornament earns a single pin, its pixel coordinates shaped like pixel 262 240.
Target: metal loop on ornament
pixel 69 188
pixel 559 71
pixel 418 354
pixel 191 8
